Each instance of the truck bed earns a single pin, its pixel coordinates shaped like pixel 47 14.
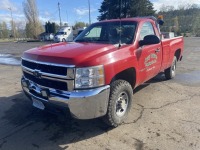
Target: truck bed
pixel 169 47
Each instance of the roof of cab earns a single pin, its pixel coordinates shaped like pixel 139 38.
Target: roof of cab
pixel 137 19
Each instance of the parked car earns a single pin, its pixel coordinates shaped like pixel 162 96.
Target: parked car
pixel 49 37
pixel 46 36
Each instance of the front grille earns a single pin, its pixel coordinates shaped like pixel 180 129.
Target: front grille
pixel 47 83
pixel 58 70
pixel 55 76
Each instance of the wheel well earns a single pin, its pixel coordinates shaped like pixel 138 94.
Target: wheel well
pixel 128 75
pixel 177 54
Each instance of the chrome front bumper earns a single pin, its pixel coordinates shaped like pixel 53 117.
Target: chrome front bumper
pixel 82 104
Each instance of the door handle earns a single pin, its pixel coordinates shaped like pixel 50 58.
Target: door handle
pixel 157 50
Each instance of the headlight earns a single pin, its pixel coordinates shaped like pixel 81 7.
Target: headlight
pixel 89 77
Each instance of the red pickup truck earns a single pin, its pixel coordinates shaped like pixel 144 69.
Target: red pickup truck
pixel 94 76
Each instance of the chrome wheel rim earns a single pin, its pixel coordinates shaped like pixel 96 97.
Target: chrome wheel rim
pixel 121 104
pixel 174 69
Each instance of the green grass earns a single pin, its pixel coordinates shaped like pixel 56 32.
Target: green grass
pixel 6 40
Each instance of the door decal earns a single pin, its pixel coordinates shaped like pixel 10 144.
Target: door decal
pixel 150 60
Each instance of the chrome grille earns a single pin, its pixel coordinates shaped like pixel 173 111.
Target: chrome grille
pixel 54 76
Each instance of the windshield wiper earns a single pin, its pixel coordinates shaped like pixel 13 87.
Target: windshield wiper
pixel 81 40
pixel 102 40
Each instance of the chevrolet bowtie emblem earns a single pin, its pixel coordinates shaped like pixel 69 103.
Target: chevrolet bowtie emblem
pixel 37 73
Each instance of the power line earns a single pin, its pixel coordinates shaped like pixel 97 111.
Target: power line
pixel 53 15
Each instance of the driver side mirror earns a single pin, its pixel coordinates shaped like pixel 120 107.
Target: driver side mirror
pixel 149 40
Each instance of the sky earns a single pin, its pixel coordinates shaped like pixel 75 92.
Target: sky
pixel 72 11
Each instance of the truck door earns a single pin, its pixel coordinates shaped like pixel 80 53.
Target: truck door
pixel 149 56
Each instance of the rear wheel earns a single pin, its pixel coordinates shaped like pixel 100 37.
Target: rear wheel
pixel 119 104
pixel 171 71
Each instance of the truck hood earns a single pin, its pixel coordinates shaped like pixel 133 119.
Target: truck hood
pixel 67 53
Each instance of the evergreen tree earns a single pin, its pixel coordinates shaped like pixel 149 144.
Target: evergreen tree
pixel 110 9
pixel 50 27
pixel 141 8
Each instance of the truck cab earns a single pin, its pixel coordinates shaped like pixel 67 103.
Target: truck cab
pixel 64 34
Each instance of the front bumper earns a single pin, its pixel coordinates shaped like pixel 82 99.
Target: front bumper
pixel 82 104
pixel 57 40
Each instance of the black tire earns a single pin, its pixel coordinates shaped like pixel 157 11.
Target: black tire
pixel 63 40
pixel 120 100
pixel 170 72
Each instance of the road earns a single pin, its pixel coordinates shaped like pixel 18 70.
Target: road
pixel 165 114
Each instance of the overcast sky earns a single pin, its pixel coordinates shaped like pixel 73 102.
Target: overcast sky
pixel 71 10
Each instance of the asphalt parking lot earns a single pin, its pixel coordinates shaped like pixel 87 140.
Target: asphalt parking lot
pixel 165 114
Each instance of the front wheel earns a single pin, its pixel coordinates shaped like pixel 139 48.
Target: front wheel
pixel 119 104
pixel 171 71
pixel 63 40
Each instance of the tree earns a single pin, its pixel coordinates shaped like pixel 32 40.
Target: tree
pixel 184 19
pixel 33 26
pixel 165 8
pixel 80 25
pixel 4 30
pixel 109 9
pixel 141 8
pixel 14 31
pixel 28 30
pixel 112 9
pixel 19 29
pixel 50 27
pixel 65 24
pixel 0 30
pixel 196 28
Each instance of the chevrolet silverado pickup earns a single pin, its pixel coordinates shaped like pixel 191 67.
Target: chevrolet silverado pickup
pixel 94 76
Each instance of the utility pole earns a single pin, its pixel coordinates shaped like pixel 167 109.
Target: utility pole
pixel 59 14
pixel 13 31
pixel 67 17
pixel 89 12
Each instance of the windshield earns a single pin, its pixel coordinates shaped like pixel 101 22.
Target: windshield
pixel 109 33
pixel 61 33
